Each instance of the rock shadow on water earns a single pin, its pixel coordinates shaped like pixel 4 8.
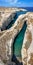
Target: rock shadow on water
pixel 14 59
pixel 14 19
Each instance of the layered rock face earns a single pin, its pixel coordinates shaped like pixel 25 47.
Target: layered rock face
pixel 27 48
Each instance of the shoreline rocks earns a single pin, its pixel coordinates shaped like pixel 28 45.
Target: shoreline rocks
pixel 8 9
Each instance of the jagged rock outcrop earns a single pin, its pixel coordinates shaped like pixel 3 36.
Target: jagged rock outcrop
pixel 27 48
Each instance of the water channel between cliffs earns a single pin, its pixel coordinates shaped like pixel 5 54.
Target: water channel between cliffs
pixel 19 38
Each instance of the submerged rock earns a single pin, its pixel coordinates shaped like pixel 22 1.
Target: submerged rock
pixel 12 63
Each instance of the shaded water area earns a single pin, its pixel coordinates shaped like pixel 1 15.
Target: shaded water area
pixel 15 18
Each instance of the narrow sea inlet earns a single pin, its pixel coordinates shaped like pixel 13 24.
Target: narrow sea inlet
pixel 19 39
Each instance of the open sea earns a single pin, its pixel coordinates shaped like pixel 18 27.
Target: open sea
pixel 29 9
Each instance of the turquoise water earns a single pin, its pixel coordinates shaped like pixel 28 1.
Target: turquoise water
pixel 19 41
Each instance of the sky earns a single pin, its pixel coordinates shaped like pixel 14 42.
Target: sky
pixel 16 3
